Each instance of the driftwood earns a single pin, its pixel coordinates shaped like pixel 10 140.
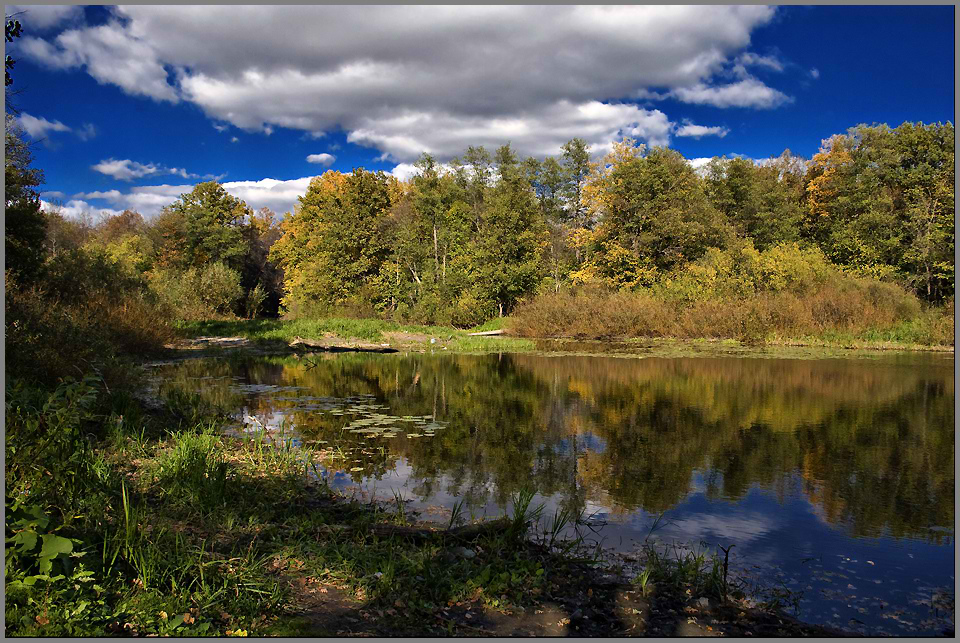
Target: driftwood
pixel 300 343
pixel 487 332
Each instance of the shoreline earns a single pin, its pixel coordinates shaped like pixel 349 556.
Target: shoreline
pixel 246 335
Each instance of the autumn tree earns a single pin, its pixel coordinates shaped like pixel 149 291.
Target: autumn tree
pixel 880 202
pixel 331 248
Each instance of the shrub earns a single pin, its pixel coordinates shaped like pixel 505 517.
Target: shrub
pixel 87 313
pixel 198 293
pixel 745 295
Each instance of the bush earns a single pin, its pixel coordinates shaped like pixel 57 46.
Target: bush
pixel 88 313
pixel 198 293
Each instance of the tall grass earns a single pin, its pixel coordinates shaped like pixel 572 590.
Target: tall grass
pixel 855 308
pixel 194 470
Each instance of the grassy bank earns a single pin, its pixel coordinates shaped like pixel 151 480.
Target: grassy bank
pixel 124 522
pixel 344 330
pixel 596 320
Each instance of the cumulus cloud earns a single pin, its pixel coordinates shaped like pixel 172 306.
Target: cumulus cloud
pixel 221 128
pixel 279 196
pixel 148 200
pixel 477 68
pixel 36 17
pixel 700 164
pixel 404 171
pixel 124 169
pixel 322 159
pixel 127 170
pixel 749 92
pixel 37 127
pixel 404 137
pixel 110 54
pixel 77 209
pixel 53 194
pixel 698 131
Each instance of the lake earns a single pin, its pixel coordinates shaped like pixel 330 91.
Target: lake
pixel 833 477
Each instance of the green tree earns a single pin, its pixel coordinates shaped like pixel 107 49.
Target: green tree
pixel 510 244
pixel 214 225
pixel 25 224
pixel 880 202
pixel 763 202
pixel 657 210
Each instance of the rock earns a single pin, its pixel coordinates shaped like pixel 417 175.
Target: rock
pixel 463 552
pixel 703 603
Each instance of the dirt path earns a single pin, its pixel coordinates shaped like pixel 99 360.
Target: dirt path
pixel 588 604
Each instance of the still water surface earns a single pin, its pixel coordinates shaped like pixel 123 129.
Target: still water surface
pixel 834 478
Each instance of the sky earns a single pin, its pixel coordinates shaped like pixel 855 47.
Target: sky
pixel 129 107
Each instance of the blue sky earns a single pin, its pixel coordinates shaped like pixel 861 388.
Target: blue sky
pixel 131 106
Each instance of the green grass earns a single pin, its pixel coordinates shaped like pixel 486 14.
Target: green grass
pixel 930 331
pixel 188 532
pixel 367 330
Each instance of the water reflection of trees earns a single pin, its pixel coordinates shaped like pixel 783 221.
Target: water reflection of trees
pixel 871 442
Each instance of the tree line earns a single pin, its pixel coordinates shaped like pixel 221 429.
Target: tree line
pixel 463 242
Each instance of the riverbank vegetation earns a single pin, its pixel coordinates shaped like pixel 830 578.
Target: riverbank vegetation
pixel 857 241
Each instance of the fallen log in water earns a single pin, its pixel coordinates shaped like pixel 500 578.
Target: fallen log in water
pixel 487 332
pixel 300 343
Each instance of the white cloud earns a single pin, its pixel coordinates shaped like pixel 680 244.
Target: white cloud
pixel 698 131
pixel 77 209
pixel 148 200
pixel 700 162
pixel 404 137
pixel 404 171
pixel 279 196
pixel 751 59
pixel 323 159
pixel 127 170
pixel 476 68
pixel 87 132
pixel 53 194
pixel 748 92
pixel 234 140
pixel 110 54
pixel 35 17
pixel 38 127
pixel 814 73
pixel 221 128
